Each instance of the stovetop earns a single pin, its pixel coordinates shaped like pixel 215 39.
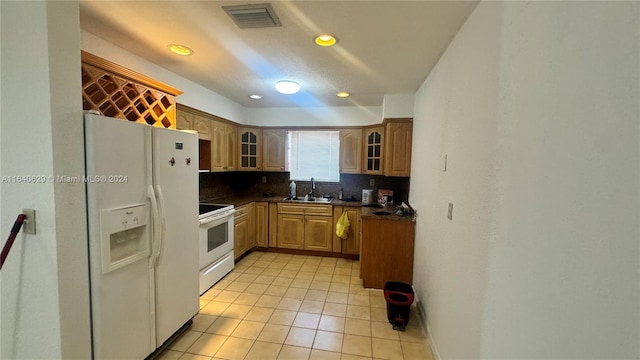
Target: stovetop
pixel 211 209
pixel 206 208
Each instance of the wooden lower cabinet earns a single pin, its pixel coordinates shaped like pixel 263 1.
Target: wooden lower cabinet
pixel 262 224
pixel 291 229
pixel 240 232
pixel 387 252
pixel 318 233
pixel 350 245
pixel 304 227
pixel 273 225
pixel 251 224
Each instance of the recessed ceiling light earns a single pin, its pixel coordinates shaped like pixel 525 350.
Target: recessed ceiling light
pixel 180 49
pixel 287 87
pixel 343 94
pixel 325 40
pixel 255 96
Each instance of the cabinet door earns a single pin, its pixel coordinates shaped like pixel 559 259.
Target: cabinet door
pixel 184 120
pixel 240 235
pixel 218 146
pixel 249 149
pixel 274 150
pixel 290 231
pixel 350 245
pixel 273 225
pixel 262 224
pixel 203 126
pixel 251 225
pixel 231 148
pixel 318 233
pixel 397 157
pixel 351 151
pixel 373 140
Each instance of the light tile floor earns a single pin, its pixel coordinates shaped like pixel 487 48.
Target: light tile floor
pixel 282 306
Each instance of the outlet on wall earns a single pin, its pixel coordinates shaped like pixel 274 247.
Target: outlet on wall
pixel 372 182
pixel 264 179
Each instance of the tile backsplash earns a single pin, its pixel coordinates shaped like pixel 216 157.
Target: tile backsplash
pixel 216 185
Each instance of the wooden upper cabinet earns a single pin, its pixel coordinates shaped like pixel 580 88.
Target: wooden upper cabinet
pixel 223 146
pixel 397 155
pixel 218 146
pixel 351 151
pixel 274 149
pixel 232 148
pixel 249 149
pixel 373 140
pixel 184 120
pixel 202 125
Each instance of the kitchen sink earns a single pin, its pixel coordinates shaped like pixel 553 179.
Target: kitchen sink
pixel 318 200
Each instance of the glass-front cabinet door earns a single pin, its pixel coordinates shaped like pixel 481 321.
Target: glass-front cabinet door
pixel 373 150
pixel 250 146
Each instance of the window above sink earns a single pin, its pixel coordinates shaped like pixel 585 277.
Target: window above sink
pixel 314 154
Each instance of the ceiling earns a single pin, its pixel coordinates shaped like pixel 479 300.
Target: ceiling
pixel 383 47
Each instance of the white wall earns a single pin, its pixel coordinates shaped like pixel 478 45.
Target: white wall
pixel 541 129
pixel 328 116
pixel 455 112
pixel 45 294
pixel 398 106
pixel 195 95
pixel 566 260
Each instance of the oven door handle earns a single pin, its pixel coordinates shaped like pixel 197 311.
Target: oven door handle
pixel 217 217
pixel 154 221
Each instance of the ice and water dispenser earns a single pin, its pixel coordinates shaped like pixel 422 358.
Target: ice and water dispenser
pixel 124 236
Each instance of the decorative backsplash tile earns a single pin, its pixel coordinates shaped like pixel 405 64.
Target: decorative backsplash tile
pixel 216 185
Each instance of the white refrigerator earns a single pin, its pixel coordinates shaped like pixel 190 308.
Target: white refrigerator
pixel 142 205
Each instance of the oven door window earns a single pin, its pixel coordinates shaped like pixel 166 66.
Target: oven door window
pixel 217 236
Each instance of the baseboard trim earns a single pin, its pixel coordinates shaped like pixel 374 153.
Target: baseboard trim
pixel 423 319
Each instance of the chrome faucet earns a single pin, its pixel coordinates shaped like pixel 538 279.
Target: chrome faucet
pixel 313 188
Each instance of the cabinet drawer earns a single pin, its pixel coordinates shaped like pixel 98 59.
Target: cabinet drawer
pixel 290 209
pixel 241 212
pixel 304 209
pixel 318 210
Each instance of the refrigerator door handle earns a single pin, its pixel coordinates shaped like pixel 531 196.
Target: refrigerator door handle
pixel 155 221
pixel 163 223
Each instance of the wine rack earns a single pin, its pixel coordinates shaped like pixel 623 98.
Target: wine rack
pixel 118 92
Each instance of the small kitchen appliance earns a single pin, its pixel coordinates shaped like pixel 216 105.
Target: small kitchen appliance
pixel 368 196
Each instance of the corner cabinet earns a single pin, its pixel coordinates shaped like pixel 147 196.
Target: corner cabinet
pixel 350 151
pixel 397 148
pixel 274 150
pixel 373 150
pixel 249 149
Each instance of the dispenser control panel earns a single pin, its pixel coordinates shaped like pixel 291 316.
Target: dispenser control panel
pixel 124 236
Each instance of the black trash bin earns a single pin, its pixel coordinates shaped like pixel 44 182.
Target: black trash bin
pixel 399 297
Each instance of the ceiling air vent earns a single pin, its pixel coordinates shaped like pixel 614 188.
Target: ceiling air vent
pixel 253 16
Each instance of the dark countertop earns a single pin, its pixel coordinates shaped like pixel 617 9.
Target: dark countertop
pixel 366 212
